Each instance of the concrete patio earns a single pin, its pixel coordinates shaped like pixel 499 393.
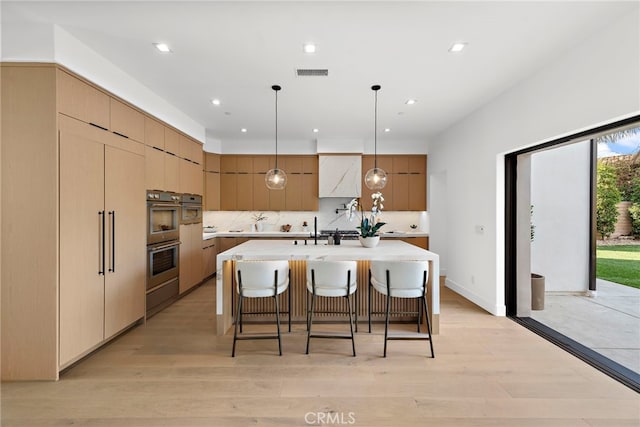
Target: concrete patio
pixel 608 323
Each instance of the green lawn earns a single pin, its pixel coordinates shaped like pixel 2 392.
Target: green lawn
pixel 619 264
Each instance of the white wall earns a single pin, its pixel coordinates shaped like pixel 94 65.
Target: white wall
pixel 46 43
pixel 560 189
pixel 593 83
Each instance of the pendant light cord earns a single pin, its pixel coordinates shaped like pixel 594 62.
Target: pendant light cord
pixel 276 129
pixel 375 132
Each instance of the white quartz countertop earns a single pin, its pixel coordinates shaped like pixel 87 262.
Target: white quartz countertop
pixel 348 249
pixel 299 234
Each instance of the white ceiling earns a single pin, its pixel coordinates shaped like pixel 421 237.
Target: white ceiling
pixel 235 51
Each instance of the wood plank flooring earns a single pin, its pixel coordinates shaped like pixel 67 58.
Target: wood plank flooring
pixel 174 371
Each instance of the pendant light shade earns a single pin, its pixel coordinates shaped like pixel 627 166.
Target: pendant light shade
pixel 376 178
pixel 276 179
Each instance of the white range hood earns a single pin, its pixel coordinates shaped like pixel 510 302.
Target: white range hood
pixel 339 167
pixel 339 175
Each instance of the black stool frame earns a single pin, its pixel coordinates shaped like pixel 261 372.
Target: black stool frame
pixel 239 313
pixel 422 304
pixel 349 311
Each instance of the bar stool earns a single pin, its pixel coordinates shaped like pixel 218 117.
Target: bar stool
pixel 260 279
pixel 331 279
pixel 401 279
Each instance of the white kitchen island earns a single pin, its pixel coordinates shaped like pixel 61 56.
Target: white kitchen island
pixel 297 255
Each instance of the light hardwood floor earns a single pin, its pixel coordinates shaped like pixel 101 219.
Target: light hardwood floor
pixel 174 371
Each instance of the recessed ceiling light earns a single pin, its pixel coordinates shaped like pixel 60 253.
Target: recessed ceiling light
pixel 309 48
pixel 162 47
pixel 215 101
pixel 457 47
pixel 316 130
pixel 387 129
pixel 243 130
pixel 411 101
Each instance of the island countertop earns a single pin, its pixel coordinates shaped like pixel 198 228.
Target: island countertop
pixel 264 249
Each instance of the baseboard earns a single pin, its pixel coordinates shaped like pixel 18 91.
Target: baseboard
pixel 489 306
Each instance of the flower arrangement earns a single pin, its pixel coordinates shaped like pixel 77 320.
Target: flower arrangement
pixel 369 226
pixel 257 217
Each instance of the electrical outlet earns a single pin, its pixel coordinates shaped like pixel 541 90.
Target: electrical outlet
pixel 480 229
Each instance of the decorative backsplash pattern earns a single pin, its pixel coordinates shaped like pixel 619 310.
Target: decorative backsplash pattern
pixel 327 218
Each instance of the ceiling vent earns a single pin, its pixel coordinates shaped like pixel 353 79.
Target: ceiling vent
pixel 312 72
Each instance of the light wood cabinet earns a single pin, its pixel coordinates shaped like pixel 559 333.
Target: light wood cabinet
pixel 171 172
pixel 153 133
pixel 82 101
pixel 171 141
pixel 406 182
pixel 154 168
pixel 243 187
pixel 212 191
pixel 126 121
pixel 102 237
pixel 211 162
pixel 190 256
pixel 209 254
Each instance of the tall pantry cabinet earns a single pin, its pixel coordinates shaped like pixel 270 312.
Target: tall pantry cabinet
pixel 73 219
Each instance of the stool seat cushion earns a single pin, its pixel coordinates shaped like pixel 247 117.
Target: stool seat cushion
pixel 406 277
pixel 258 277
pixel 331 277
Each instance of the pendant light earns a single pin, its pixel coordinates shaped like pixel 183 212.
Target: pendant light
pixel 276 179
pixel 376 178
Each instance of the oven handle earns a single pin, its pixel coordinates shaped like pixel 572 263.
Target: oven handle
pixel 163 205
pixel 163 247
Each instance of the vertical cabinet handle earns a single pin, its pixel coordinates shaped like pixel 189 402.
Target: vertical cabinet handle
pixel 112 214
pixel 101 243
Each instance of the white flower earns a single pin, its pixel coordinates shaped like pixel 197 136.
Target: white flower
pixel 351 208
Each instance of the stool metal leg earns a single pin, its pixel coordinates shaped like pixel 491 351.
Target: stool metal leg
pixel 353 341
pixel 235 329
pixel 369 305
pixel 278 324
pixel 386 320
pixel 426 311
pixel 419 314
pixel 313 304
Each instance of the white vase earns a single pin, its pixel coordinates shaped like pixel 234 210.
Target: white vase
pixel 259 226
pixel 369 242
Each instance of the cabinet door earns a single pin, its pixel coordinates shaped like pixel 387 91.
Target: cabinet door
pixel 212 191
pixel 417 192
pixel 126 121
pixel 277 200
pixel 171 172
pixel 228 191
pixel 212 162
pixel 81 239
pixel 185 258
pixel 293 191
pixel 154 168
pixel 260 192
pixel 310 191
pixel 82 101
pixel 124 289
pixel 184 173
pixel 196 254
pixel 153 133
pixel 171 141
pixel 197 179
pixel 400 187
pixel 209 253
pixel 244 200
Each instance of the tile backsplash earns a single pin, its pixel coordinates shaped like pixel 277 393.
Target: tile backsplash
pixel 327 218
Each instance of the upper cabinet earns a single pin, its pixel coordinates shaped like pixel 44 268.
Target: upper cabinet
pixel 126 121
pixel 406 188
pixel 242 183
pixel 85 102
pixel 82 101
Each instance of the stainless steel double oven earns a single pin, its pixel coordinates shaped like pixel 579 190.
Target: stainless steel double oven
pixel 163 249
